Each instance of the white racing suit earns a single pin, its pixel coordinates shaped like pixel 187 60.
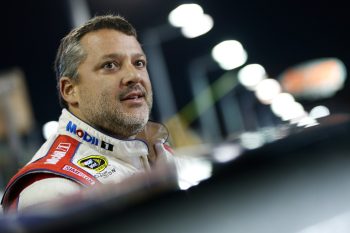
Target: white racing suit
pixel 79 155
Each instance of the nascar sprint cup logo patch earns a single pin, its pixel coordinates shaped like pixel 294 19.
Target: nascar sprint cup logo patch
pixel 94 162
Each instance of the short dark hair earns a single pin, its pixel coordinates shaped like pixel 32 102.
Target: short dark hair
pixel 71 54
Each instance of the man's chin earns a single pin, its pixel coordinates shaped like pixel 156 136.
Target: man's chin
pixel 138 118
pixel 139 112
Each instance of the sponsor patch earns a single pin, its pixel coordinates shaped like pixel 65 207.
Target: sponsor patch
pixel 78 173
pixel 106 146
pixel 105 174
pixel 60 151
pixel 95 162
pixel 72 128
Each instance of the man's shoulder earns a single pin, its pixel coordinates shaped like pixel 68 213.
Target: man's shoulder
pixel 45 190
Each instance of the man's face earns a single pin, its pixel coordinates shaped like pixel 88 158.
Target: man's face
pixel 114 90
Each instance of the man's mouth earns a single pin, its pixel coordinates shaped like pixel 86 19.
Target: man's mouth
pixel 133 95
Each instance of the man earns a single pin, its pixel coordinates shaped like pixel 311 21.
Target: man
pixel 104 134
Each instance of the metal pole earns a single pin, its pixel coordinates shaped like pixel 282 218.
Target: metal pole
pixel 208 119
pixel 79 12
pixel 164 95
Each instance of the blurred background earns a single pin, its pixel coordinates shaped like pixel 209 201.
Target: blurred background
pixel 222 71
pixel 301 45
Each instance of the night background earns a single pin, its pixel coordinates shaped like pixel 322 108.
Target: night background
pixel 296 178
pixel 276 34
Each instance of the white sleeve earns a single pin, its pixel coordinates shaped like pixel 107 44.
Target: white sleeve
pixel 46 190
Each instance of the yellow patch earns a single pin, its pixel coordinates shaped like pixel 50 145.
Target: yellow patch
pixel 95 162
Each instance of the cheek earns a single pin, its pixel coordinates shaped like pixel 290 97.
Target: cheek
pixel 109 92
pixel 148 85
pixel 94 93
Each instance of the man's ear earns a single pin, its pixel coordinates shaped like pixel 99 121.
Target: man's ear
pixel 68 90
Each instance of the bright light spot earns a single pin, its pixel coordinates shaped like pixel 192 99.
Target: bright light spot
pixel 267 90
pixel 294 112
pixel 281 103
pixel 315 79
pixel 229 54
pixel 184 14
pixel 226 153
pixel 197 26
pixel 307 121
pixel 319 111
pixel 50 128
pixel 252 140
pixel 250 75
pixel 192 171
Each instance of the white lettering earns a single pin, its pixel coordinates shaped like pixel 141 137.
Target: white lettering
pixel 78 173
pixel 60 151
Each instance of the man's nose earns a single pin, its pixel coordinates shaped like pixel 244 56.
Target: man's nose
pixel 131 75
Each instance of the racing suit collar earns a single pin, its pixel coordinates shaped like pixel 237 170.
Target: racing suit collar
pixel 130 149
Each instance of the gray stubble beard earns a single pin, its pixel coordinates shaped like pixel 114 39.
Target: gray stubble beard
pixel 117 123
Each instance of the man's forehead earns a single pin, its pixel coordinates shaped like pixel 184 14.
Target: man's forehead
pixel 110 41
pixel 107 35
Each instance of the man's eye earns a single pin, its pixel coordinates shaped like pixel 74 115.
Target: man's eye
pixel 110 66
pixel 140 63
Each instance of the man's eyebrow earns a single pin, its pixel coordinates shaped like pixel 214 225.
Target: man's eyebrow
pixel 118 55
pixel 111 55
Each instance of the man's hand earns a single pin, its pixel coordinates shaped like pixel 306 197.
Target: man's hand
pixel 164 157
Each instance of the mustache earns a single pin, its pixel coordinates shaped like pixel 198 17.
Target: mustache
pixel 136 87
